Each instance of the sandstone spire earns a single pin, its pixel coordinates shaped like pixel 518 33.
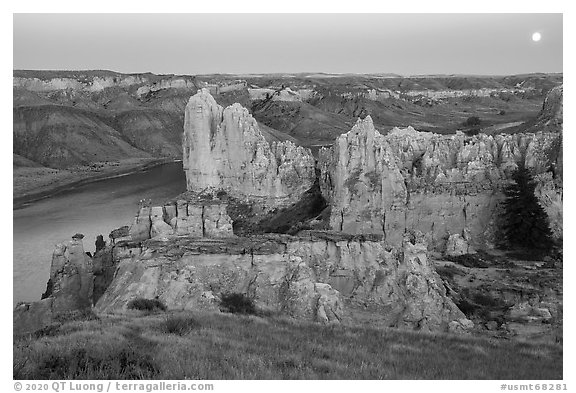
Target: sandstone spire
pixel 225 150
pixel 362 181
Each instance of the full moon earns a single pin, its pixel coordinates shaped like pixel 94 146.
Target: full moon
pixel 536 37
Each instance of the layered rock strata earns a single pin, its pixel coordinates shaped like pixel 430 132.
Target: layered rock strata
pixel 224 150
pixel 438 184
pixel 318 276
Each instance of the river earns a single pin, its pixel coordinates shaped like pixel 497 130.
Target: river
pixel 91 209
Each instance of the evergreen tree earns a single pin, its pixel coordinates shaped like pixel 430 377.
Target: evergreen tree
pixel 524 221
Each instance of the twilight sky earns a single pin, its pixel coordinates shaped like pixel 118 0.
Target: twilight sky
pixel 406 44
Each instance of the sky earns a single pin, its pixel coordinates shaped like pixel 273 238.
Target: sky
pixel 406 44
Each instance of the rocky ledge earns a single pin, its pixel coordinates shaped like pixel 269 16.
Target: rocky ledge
pixel 321 276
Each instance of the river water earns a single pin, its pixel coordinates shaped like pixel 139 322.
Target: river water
pixel 91 209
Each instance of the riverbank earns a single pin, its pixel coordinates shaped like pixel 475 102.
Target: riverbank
pixel 34 183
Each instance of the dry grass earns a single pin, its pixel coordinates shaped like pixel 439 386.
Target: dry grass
pixel 226 346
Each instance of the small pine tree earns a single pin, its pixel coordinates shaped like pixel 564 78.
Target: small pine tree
pixel 524 221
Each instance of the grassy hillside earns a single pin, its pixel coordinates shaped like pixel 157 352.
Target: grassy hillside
pixel 184 345
pixel 59 137
pixel 154 131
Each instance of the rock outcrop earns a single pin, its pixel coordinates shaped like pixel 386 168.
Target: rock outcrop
pixel 195 219
pixel 317 276
pixel 224 150
pixel 69 289
pixel 551 117
pixel 71 277
pixel 459 245
pixel 438 184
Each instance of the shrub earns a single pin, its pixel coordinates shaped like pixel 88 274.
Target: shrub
pixel 237 303
pixel 146 304
pixel 180 324
pixel 47 331
pixel 472 121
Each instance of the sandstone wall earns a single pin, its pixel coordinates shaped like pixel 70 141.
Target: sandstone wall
pixel 438 184
pixel 225 150
pixel 207 219
pixel 316 277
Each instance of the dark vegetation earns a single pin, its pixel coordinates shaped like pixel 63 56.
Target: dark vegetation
pixel 481 259
pixel 106 357
pixel 146 305
pixel 524 223
pixel 472 121
pixel 237 303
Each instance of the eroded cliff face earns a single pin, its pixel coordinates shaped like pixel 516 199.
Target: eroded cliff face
pixel 225 150
pixel 438 184
pixel 317 276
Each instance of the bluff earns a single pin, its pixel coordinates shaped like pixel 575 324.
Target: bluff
pixel 437 184
pixel 551 117
pixel 319 276
pixel 224 150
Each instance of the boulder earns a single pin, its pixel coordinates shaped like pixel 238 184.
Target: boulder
pixel 329 307
pixel 458 245
pixel 462 325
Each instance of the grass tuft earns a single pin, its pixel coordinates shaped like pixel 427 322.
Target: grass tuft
pixel 180 324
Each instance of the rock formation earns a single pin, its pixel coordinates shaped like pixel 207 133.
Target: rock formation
pixel 69 289
pixel 317 276
pixel 551 117
pixel 71 277
pixel 206 218
pixel 459 245
pixel 225 150
pixel 438 184
pixel 362 180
